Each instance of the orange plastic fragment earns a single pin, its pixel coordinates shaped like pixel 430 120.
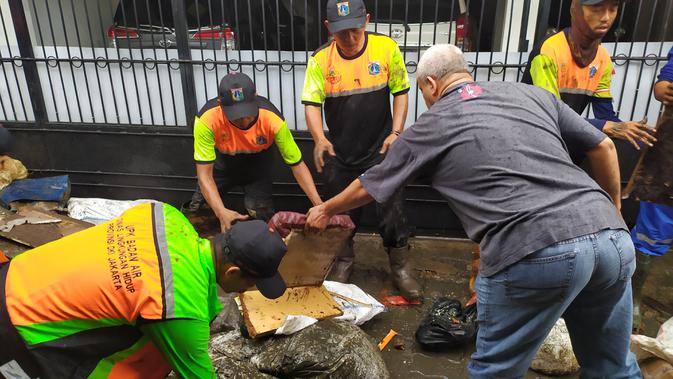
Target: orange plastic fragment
pixel 386 340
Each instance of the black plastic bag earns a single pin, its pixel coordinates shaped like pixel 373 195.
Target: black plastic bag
pixel 447 325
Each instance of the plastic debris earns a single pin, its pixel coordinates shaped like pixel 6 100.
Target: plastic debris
pixel 386 340
pixel 556 356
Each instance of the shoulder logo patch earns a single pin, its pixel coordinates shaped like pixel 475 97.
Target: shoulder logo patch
pixel 261 140
pixel 470 91
pixel 333 76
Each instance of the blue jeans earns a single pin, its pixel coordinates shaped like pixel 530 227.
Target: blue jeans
pixel 585 280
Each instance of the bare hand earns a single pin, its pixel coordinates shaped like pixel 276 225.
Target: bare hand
pixel 387 142
pixel 631 131
pixel 229 218
pixel 319 150
pixel 666 94
pixel 317 218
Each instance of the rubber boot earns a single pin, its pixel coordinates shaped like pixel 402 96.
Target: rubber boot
pixel 343 266
pixel 643 266
pixel 401 269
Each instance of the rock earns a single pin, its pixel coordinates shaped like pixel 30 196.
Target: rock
pixel 556 356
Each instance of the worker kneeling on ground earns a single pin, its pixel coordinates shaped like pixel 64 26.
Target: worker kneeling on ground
pixel 552 240
pixel 131 298
pixel 233 135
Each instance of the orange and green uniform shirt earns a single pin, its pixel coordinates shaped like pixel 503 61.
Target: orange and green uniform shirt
pixel 130 298
pixel 243 152
pixel 356 94
pixel 552 67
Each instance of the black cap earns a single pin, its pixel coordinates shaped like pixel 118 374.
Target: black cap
pixel 345 14
pixel 6 141
pixel 238 96
pixel 258 251
pixel 591 2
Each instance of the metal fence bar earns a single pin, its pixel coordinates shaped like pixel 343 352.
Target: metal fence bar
pixel 168 66
pixel 81 53
pixel 16 76
pixel 479 34
pixel 186 70
pixel 100 88
pixel 156 67
pixel 119 61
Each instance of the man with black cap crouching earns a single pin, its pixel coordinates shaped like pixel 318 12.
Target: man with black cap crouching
pixel 130 298
pixel 233 135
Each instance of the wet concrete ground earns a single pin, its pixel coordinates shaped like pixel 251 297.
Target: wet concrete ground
pixel 443 266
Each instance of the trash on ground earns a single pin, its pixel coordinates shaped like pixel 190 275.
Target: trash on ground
pixel 397 300
pixel 55 188
pixel 35 227
pixel 661 347
pixel 358 306
pixel 655 368
pixel 447 325
pixel 304 268
pixel 11 170
pixel 293 324
pixel 556 356
pixel 386 340
pixel 97 211
pixel 327 349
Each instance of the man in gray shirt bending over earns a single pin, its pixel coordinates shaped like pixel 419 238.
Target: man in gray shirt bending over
pixel 553 243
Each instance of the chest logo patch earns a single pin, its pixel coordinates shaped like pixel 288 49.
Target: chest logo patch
pixel 470 91
pixel 261 140
pixel 333 77
pixel 343 8
pixel 374 68
pixel 592 71
pixel 237 95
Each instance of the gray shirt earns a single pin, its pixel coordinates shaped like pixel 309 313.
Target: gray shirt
pixel 497 152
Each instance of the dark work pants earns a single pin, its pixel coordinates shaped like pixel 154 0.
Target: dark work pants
pixel 257 193
pixel 392 221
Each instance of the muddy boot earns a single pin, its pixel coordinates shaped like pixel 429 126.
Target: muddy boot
pixel 643 265
pixel 343 266
pixel 192 206
pixel 401 270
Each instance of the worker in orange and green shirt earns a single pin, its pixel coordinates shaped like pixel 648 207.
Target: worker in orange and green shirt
pixel 353 77
pixel 233 136
pixel 130 298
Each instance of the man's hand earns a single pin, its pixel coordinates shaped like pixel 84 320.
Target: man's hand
pixel 323 145
pixel 317 218
pixel 663 91
pixel 631 131
pixel 229 217
pixel 387 142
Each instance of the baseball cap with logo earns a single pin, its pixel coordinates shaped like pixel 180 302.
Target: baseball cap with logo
pixel 345 14
pixel 258 251
pixel 238 96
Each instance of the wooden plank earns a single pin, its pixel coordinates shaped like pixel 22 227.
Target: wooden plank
pixel 310 255
pixel 652 179
pixel 263 316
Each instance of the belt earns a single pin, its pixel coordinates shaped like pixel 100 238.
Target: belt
pixel 15 359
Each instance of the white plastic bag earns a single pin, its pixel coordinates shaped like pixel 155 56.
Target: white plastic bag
pixel 661 347
pixel 358 306
pixel 98 211
pixel 293 324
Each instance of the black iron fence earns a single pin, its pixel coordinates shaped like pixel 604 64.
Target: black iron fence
pixel 155 62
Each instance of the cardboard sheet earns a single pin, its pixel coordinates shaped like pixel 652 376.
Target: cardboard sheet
pixel 310 256
pixel 263 316
pixel 35 235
